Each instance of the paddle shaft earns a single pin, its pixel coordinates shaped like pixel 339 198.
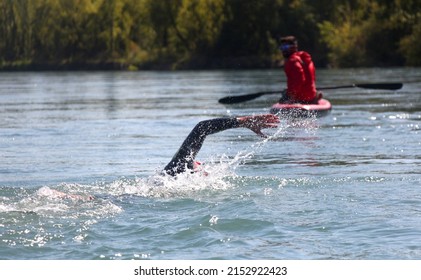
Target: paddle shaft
pixel 388 86
pixel 247 97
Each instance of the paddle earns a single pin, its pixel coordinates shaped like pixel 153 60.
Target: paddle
pixel 247 97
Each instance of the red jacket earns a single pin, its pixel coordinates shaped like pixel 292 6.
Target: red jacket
pixel 301 76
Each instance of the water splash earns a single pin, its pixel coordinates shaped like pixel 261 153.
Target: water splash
pixel 215 175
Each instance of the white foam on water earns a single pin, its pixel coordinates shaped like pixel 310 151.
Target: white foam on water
pixel 68 201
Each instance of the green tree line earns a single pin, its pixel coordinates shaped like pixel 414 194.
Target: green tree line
pixel 203 34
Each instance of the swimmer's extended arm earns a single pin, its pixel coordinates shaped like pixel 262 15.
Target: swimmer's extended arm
pixel 185 156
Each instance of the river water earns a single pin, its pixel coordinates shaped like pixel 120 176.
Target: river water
pixel 344 186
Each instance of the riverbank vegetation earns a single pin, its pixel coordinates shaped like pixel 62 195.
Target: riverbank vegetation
pixel 205 34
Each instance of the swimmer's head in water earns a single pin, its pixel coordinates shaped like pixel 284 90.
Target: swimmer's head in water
pixel 198 167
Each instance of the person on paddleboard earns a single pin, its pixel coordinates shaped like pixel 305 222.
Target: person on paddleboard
pixel 184 158
pixel 300 72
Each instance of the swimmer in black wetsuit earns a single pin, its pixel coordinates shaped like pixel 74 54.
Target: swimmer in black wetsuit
pixel 184 159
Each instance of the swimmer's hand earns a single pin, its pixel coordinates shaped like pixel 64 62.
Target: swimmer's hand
pixel 258 122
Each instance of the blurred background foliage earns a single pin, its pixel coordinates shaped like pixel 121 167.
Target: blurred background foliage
pixel 206 34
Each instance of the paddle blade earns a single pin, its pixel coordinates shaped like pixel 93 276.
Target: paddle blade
pixel 389 86
pixel 244 98
pixel 238 99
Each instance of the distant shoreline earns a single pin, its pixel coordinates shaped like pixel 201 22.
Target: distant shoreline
pixel 232 63
pixel 229 63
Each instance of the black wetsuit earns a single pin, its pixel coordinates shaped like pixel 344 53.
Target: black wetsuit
pixel 185 156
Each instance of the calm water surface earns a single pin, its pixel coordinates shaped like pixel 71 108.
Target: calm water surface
pixel 345 186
